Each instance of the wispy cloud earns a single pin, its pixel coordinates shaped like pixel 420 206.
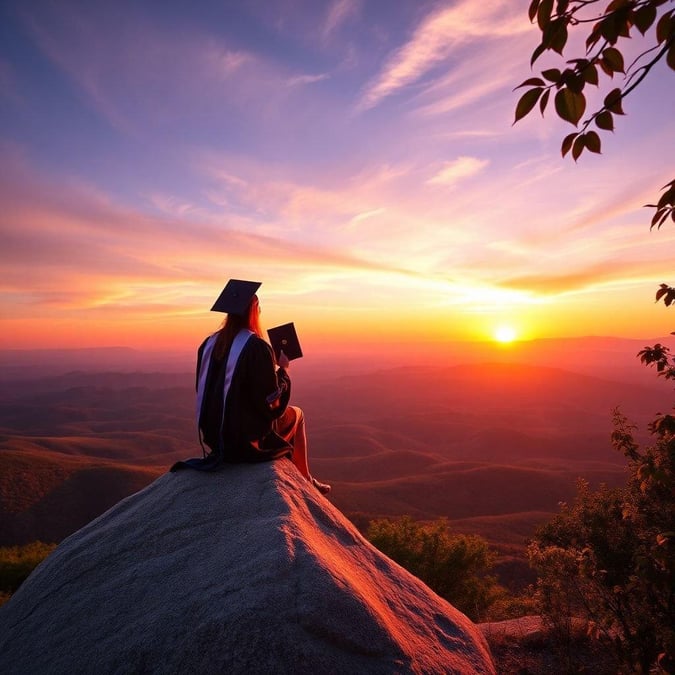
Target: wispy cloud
pixel 360 217
pixel 435 39
pixel 171 205
pixel 141 76
pixel 72 238
pixel 339 12
pixel 301 80
pixel 460 168
pixel 587 279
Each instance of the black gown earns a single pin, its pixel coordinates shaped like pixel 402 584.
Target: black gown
pixel 258 394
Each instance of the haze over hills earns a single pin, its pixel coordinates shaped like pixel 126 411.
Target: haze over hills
pixel 603 356
pixel 493 446
pixel 20 364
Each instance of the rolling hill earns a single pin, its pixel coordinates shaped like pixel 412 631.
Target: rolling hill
pixel 46 496
pixel 493 447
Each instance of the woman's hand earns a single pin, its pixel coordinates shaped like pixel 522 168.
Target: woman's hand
pixel 283 360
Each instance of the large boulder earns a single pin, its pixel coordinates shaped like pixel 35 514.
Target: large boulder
pixel 248 570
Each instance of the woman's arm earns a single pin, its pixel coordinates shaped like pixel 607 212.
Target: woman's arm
pixel 270 388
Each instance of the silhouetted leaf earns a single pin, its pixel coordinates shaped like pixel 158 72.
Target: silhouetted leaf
pixel 578 147
pixel 558 38
pixel 618 22
pixel 664 27
pixel 570 105
pixel 614 58
pixel 532 82
pixel 666 198
pixel 537 53
pixel 544 13
pixel 590 74
pixel 592 141
pixel 561 7
pixel 593 37
pixel 613 102
pixel 644 18
pixel 605 121
pixel 655 218
pixel 567 143
pixel 527 101
pixel 575 82
pixel 624 22
pixel 659 218
pixel 609 29
pixel 552 74
pixel 614 5
pixel 670 56
pixel 606 68
pixel 532 10
pixel 661 292
pixel 544 101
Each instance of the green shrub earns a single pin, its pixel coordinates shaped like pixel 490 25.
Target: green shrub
pixel 610 558
pixel 455 566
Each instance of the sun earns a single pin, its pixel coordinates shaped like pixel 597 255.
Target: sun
pixel 505 334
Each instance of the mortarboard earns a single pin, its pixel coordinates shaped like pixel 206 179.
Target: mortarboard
pixel 284 337
pixel 236 296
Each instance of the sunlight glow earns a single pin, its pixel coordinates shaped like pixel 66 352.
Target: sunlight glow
pixel 505 334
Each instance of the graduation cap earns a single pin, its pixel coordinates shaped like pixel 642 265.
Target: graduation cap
pixel 285 338
pixel 236 296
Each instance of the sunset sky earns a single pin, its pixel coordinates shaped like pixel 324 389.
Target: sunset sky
pixel 356 156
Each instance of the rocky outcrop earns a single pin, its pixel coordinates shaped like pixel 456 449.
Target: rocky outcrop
pixel 248 570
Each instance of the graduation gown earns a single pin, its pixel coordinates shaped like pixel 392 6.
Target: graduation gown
pixel 238 399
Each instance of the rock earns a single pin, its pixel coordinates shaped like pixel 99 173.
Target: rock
pixel 248 570
pixel 524 630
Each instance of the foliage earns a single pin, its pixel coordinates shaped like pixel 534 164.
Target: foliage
pixel 455 566
pixel 507 605
pixel 603 57
pixel 610 557
pixel 659 355
pixel 17 562
pixel 667 293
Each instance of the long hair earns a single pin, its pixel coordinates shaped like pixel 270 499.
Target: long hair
pixel 233 324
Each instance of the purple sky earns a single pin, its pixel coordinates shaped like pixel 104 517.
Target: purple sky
pixel 356 156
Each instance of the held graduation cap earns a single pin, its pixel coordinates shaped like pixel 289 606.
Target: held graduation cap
pixel 236 296
pixel 285 338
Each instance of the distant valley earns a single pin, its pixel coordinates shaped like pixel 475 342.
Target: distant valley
pixel 493 447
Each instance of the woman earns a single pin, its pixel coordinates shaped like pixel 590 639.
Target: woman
pixel 242 397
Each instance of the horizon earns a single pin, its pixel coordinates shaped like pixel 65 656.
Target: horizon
pixel 607 358
pixel 359 160
pixel 501 346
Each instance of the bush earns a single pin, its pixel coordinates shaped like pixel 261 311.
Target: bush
pixel 609 557
pixel 455 566
pixel 17 562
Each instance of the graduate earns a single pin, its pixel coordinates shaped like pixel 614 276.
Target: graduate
pixel 243 392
